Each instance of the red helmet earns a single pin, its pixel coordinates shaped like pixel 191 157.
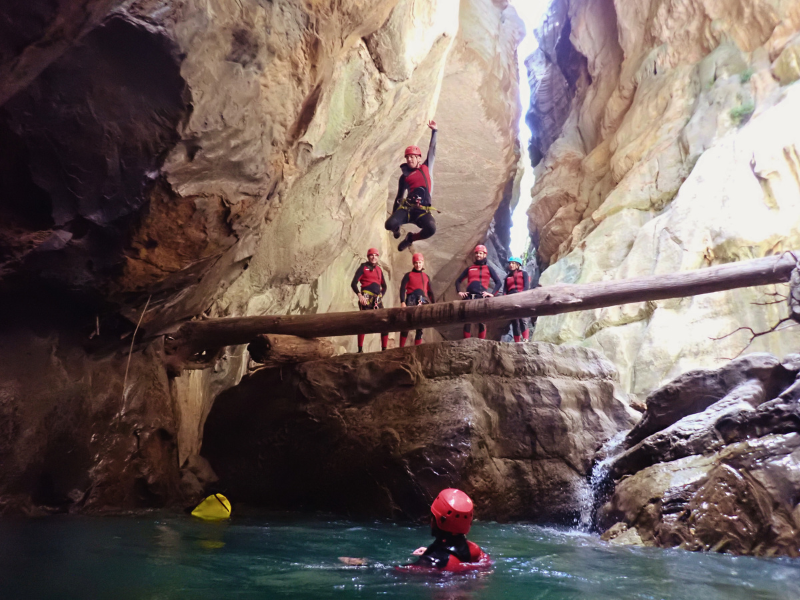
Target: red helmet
pixel 452 511
pixel 417 256
pixel 373 251
pixel 480 248
pixel 413 150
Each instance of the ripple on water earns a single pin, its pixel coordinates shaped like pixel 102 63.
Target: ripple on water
pixel 296 557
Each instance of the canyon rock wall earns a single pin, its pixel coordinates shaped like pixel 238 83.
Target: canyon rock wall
pixel 380 434
pixel 664 140
pixel 225 158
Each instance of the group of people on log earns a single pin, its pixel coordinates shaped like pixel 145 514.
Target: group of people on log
pixel 413 205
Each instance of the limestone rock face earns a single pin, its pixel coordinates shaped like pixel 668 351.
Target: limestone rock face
pixel 515 426
pixel 232 158
pixel 678 150
pixel 719 473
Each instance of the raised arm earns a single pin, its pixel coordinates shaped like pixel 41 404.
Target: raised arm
pixel 432 146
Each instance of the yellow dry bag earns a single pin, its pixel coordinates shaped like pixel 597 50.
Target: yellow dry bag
pixel 213 508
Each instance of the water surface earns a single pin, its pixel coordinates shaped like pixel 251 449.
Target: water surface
pixel 167 558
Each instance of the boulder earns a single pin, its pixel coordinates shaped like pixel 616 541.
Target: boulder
pixel 514 425
pixel 695 391
pixel 724 477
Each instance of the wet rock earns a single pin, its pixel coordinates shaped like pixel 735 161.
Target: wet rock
pixel 381 434
pixel 639 500
pixel 724 478
pixel 75 436
pixel 695 391
pixel 693 434
pixel 621 535
pixel 746 505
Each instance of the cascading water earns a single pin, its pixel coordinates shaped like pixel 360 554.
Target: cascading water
pixel 593 491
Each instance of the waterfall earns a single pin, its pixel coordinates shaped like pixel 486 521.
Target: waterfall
pixel 591 492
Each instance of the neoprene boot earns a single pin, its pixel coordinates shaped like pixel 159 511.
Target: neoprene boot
pixel 406 242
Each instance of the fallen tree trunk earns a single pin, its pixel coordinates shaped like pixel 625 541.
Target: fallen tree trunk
pixel 198 336
pixel 271 349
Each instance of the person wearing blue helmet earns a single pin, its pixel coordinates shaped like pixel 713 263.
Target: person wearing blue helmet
pixel 517 281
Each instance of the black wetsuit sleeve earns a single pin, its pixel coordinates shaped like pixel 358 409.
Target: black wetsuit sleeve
pixel 505 282
pixel 402 186
pixel 498 284
pixel 354 283
pixel 526 282
pixel 383 284
pixel 431 151
pixel 432 562
pixel 403 288
pixel 462 277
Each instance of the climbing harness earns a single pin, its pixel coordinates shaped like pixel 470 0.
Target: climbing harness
pixel 376 300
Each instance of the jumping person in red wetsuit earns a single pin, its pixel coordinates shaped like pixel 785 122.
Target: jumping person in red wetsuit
pixel 417 182
pixel 373 287
pixel 415 289
pixel 478 276
pixel 451 519
pixel 517 281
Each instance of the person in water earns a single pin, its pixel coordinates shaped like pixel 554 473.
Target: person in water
pixel 451 520
pixel 413 201
pixel 373 287
pixel 517 281
pixel 478 276
pixel 415 289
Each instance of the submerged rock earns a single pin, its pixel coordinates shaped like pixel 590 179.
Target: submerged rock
pixel 381 434
pixel 721 472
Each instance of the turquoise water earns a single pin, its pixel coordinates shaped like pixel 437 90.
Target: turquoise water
pixel 166 558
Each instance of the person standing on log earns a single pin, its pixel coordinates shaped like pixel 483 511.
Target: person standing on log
pixel 517 281
pixel 478 276
pixel 373 287
pixel 415 289
pixel 417 183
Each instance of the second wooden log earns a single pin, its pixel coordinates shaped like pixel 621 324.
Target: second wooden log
pixel 275 349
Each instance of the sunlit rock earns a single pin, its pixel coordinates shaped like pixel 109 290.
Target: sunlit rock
pixel 679 151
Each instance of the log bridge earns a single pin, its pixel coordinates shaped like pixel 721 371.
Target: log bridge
pixel 196 343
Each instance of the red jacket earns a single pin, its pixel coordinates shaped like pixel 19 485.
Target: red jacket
pixel 516 281
pixel 416 281
pixel 370 278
